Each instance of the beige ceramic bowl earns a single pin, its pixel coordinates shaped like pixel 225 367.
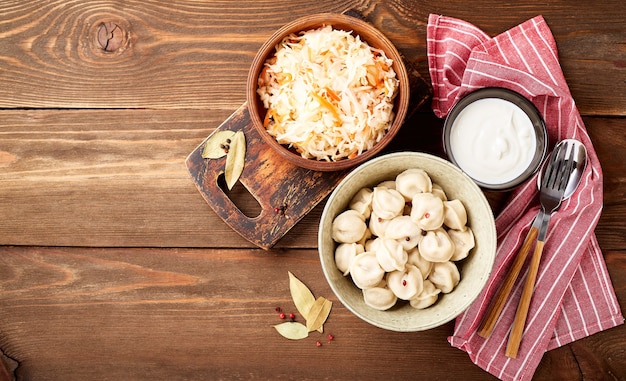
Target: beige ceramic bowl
pixel 475 269
pixel 338 21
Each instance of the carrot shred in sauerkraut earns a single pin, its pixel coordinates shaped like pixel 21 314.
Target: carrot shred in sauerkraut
pixel 328 94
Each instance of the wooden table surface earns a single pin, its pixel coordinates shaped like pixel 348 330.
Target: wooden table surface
pixel 113 267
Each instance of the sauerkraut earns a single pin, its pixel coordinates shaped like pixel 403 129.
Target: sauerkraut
pixel 328 94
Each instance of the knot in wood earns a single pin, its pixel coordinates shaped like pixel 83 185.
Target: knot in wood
pixel 110 36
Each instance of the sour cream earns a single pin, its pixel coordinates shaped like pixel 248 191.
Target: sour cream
pixel 493 141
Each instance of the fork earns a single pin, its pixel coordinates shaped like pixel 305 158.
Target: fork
pixel 553 184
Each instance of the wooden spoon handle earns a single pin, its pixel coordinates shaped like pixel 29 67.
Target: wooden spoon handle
pixel 491 316
pixel 515 337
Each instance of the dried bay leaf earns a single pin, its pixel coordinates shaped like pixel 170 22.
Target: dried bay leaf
pixel 235 159
pixel 302 297
pixel 292 330
pixel 214 146
pixel 318 314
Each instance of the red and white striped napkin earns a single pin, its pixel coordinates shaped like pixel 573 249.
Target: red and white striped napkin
pixel 573 296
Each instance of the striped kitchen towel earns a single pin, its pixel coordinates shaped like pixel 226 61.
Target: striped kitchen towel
pixel 573 296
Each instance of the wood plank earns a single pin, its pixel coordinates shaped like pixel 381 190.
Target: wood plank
pixel 195 55
pixel 79 178
pixel 190 313
pixel 92 150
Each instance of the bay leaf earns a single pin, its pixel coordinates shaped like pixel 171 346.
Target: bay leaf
pixel 214 146
pixel 235 159
pixel 318 313
pixel 302 297
pixel 292 330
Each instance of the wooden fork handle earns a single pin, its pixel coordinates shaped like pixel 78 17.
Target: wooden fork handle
pixel 515 337
pixel 493 313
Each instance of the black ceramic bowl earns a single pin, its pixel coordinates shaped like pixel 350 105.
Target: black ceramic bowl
pixel 497 137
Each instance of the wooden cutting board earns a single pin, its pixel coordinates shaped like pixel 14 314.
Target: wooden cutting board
pixel 285 193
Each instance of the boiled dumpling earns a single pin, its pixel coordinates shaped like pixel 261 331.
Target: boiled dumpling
pixel 390 255
pixel 439 192
pixel 378 225
pixel 406 284
pixel 399 240
pixel 365 270
pixel 366 237
pixel 427 297
pixel 362 202
pixel 445 276
pixel 413 181
pixel 415 258
pixel 436 246
pixel 348 227
pixel 372 244
pixel 405 231
pixel 427 211
pixel 379 297
pixel 389 184
pixel 344 254
pixel 463 243
pixel 387 203
pixel 454 214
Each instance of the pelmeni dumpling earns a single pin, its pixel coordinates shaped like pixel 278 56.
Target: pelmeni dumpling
pixel 436 246
pixel 439 192
pixel 387 203
pixel 415 258
pixel 463 243
pixel 348 227
pixel 427 297
pixel 389 184
pixel 379 297
pixel 390 255
pixel 372 244
pixel 365 270
pixel 427 211
pixel 405 231
pixel 366 237
pixel 406 284
pixel 344 254
pixel 399 240
pixel 445 276
pixel 454 214
pixel 362 202
pixel 413 181
pixel 377 225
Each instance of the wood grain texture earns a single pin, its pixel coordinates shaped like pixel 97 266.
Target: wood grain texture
pixel 194 55
pixel 65 183
pixel 177 314
pixel 112 266
pixel 285 193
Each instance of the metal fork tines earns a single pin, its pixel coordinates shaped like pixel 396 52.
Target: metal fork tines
pixel 555 179
pixel 553 185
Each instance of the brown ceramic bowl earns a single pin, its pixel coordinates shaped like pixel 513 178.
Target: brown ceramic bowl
pixel 474 270
pixel 367 33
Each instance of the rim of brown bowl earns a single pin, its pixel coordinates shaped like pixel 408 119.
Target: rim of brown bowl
pixel 368 33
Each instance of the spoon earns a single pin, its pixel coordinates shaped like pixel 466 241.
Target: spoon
pixel 579 156
pixel 557 174
pixel 580 163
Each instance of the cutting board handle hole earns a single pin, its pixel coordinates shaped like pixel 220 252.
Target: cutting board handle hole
pixel 241 197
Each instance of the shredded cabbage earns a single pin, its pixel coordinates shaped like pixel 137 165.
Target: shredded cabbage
pixel 328 94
